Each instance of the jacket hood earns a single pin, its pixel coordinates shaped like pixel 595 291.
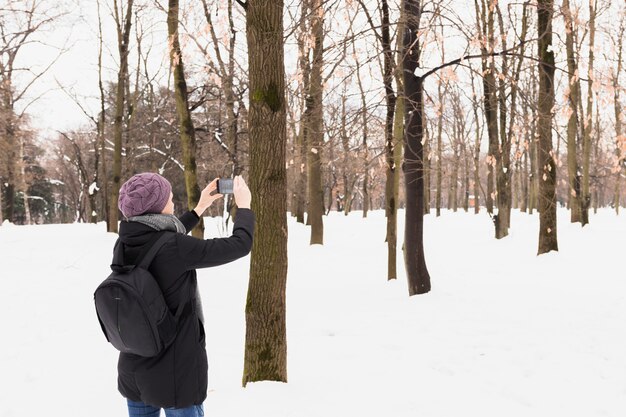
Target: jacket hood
pixel 134 233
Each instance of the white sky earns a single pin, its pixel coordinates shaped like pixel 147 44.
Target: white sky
pixel 77 71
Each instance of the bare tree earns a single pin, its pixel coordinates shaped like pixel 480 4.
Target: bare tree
pixel 417 273
pixel 547 165
pixel 314 119
pixel 617 105
pixel 266 339
pixel 573 169
pixel 20 24
pixel 588 121
pixel 123 26
pixel 187 132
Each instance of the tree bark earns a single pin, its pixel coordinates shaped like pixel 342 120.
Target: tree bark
pixel 102 124
pixel 302 138
pixel 439 151
pixel 477 142
pixel 316 132
pixel 485 23
pixel 573 169
pixel 123 34
pixel 266 338
pixel 187 131
pixel 417 273
pixel 588 125
pixel 364 137
pixel 618 119
pixel 547 165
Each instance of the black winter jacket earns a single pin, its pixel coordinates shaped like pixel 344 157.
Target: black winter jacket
pixel 178 376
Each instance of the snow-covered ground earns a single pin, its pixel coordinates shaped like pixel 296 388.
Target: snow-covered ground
pixel 502 333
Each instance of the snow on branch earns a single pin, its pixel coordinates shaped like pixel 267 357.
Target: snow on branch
pixel 160 152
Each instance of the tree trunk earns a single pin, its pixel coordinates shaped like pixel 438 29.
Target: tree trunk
pixel 547 165
pixel 588 125
pixel 232 138
pixel 390 144
pixel 266 338
pixel 618 119
pixel 102 124
pixel 364 138
pixel 302 138
pixel 477 142
pixel 417 273
pixel 453 202
pixel 573 171
pixel 485 23
pixel 187 131
pixel 316 132
pixel 345 143
pixel 525 173
pixel 439 151
pixel 466 179
pixel 11 155
pixel 534 154
pixel 123 34
pixel 392 187
pixel 23 184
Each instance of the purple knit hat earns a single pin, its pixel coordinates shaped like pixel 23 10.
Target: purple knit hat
pixel 144 193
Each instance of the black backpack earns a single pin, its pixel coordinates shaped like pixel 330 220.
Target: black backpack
pixel 130 305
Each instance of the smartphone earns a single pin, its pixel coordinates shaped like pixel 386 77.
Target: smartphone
pixel 225 186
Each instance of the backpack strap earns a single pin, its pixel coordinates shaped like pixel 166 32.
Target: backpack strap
pixel 145 259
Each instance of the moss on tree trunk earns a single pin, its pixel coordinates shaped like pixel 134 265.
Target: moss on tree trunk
pixel 266 340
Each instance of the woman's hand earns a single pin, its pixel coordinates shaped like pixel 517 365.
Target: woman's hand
pixel 243 197
pixel 206 198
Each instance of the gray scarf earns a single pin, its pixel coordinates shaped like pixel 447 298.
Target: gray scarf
pixel 160 222
pixel 169 222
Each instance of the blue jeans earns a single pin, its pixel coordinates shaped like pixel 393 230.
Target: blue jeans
pixel 138 409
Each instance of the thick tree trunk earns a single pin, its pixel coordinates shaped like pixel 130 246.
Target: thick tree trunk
pixel 187 132
pixel 266 338
pixel 316 132
pixel 547 165
pixel 417 273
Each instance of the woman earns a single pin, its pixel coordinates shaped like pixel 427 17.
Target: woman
pixel 176 379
